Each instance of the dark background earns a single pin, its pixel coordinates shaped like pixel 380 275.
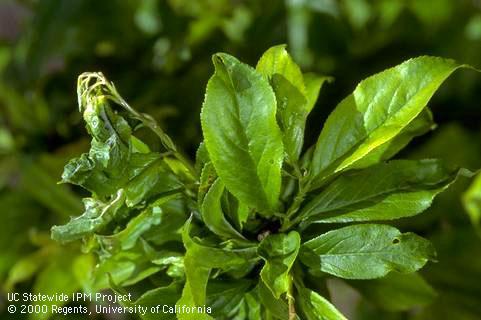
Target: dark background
pixel 158 54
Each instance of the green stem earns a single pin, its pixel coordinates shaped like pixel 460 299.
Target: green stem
pixel 296 204
pixel 290 223
pixel 152 125
pixel 291 301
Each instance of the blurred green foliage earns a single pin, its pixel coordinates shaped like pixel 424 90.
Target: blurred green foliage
pixel 158 54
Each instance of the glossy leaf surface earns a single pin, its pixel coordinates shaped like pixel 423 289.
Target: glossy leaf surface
pixel 366 251
pixel 279 252
pixel 213 214
pixel 241 133
pixel 380 107
pixel 387 191
pixel 316 307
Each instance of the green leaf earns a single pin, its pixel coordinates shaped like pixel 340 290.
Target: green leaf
pixel 472 202
pixel 422 124
pixel 180 170
pixel 314 83
pixel 238 212
pixel 279 252
pixel 380 107
pixel 277 307
pixel 126 267
pixel 396 291
pixel 167 296
pixel 386 191
pixel 241 134
pixel 172 261
pixel 173 217
pixel 83 267
pixel 112 164
pixel 292 106
pixel 106 128
pixel 153 216
pixel 82 171
pixel 207 177
pixel 194 292
pixel 200 259
pixel 225 297
pixel 148 176
pixel 97 215
pixel 114 173
pixel 366 251
pixel 212 257
pixel 138 145
pixel 315 307
pixel 276 60
pixel 253 305
pixel 201 157
pixel 213 215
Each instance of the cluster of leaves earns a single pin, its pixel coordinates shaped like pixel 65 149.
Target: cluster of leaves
pixel 39 128
pixel 454 276
pixel 127 180
pixel 257 202
pixel 155 49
